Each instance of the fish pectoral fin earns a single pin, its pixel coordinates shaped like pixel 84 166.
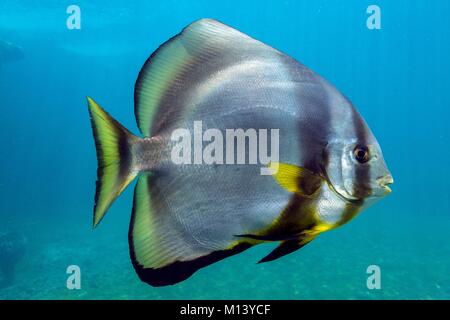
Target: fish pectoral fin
pixel 286 247
pixel 296 179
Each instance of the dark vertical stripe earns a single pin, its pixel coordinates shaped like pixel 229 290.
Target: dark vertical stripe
pixel 314 125
pixel 361 185
pixel 313 134
pixel 124 151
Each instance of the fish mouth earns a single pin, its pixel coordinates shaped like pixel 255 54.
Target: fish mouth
pixel 384 183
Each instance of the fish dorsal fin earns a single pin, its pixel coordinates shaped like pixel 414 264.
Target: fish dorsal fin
pixel 179 67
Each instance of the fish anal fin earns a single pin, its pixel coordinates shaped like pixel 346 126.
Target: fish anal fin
pixel 178 271
pixel 160 253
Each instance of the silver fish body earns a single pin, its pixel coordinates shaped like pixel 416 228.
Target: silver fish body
pixel 188 215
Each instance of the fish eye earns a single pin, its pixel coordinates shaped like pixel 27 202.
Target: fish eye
pixel 361 154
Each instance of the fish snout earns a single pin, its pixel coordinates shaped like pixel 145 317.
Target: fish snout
pixel 385 181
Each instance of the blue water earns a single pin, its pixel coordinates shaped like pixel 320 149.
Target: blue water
pixel 398 77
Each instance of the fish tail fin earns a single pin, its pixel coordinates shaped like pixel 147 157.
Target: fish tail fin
pixel 115 158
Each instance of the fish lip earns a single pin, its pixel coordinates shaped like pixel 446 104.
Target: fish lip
pixel 384 183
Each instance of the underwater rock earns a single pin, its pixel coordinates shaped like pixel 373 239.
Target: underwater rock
pixel 12 249
pixel 10 52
